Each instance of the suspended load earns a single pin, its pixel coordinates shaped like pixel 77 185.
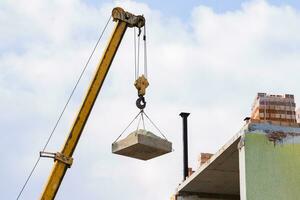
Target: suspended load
pixel 143 145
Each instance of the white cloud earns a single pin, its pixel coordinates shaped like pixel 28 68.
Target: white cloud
pixel 211 66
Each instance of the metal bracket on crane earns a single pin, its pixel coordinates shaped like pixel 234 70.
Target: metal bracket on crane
pixel 57 157
pixel 131 19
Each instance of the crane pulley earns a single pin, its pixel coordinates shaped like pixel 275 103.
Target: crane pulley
pixel 141 84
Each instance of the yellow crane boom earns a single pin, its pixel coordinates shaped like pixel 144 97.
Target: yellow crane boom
pixel 63 159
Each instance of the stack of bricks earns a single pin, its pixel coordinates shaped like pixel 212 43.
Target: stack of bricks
pixel 190 171
pixel 277 109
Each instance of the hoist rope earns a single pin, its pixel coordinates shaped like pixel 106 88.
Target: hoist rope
pixel 134 44
pixel 138 56
pixel 136 41
pixel 145 53
pixel 64 108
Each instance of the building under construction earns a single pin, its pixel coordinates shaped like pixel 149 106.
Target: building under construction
pixel 260 162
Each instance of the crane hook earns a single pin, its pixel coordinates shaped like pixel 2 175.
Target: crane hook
pixel 140 102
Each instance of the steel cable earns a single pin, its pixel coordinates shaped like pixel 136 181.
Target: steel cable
pixel 155 126
pixel 64 108
pixel 145 53
pixel 127 126
pixel 138 56
pixel 134 44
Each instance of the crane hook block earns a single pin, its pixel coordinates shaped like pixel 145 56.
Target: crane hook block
pixel 141 84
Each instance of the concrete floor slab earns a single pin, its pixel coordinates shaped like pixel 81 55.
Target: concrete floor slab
pixel 143 145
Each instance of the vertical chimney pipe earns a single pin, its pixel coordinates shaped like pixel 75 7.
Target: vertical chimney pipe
pixel 184 116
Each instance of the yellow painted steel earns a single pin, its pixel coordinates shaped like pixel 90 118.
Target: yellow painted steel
pixel 60 168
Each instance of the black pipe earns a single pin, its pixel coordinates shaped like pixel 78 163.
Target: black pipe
pixel 185 144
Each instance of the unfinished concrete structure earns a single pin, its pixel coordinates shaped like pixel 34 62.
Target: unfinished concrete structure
pixel 261 162
pixel 275 108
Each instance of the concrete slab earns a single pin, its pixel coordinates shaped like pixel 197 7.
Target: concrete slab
pixel 219 176
pixel 143 145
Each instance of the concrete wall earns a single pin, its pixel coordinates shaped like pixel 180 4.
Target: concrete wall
pixel 271 171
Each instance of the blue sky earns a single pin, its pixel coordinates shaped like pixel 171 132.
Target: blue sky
pixel 201 59
pixel 182 9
